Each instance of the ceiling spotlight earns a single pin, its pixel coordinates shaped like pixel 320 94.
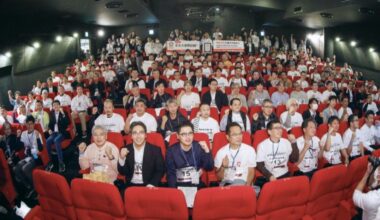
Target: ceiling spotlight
pixel 262 33
pixel 371 49
pixel 337 39
pixel 8 54
pixel 58 38
pixel 151 31
pixel 309 36
pixel 86 34
pixel 217 9
pixel 36 45
pixel 75 34
pixel 353 43
pixel 100 33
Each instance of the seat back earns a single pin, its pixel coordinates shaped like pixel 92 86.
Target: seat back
pixel 356 171
pixel 116 138
pixel 7 189
pixel 155 203
pixel 297 131
pixel 96 200
pixel 54 195
pixel 238 202
pixel 220 140
pixel 291 198
pixel 326 192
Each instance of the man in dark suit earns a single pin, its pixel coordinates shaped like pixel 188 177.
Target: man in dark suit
pixel 152 83
pixel 50 87
pixel 215 97
pixel 134 95
pixel 140 162
pixel 97 92
pixel 58 123
pixel 198 80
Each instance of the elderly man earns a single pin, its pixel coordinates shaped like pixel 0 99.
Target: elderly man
pixel 141 115
pixel 291 118
pixel 261 119
pixel 79 106
pixel 101 155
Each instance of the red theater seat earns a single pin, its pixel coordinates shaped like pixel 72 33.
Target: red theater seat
pixel 261 135
pixel 116 138
pixel 238 202
pixel 297 131
pixel 95 200
pixel 34 214
pixel 284 199
pixel 326 200
pixel 54 195
pixel 155 203
pixel 7 188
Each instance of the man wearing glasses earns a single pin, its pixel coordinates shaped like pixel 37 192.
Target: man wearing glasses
pixel 184 160
pixel 274 153
pixel 235 162
pixel 141 162
pixel 261 119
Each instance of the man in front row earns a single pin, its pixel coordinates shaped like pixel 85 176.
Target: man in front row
pixel 235 162
pixel 274 153
pixel 184 160
pixel 140 162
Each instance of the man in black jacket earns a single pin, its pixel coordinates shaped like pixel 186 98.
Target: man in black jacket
pixel 97 92
pixel 159 96
pixel 10 144
pixel 140 162
pixel 261 119
pixel 214 97
pixel 198 80
pixel 58 124
pixel 155 80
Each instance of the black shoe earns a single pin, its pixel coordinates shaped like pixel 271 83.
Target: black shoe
pixel 50 166
pixel 61 167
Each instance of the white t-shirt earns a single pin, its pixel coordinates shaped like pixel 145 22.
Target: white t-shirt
pixel 275 156
pixel 109 75
pixel 313 94
pixel 333 155
pixel 177 85
pixel 113 124
pixel 310 160
pixel 209 126
pixel 222 82
pixel 80 103
pixel 8 117
pixel 241 81
pixel 67 87
pixel 190 101
pixel 369 137
pixel 30 141
pixel 65 99
pixel 239 161
pixel 236 117
pixel 169 72
pixel 369 202
pixel 148 119
pixel 326 94
pixel 355 144
pixel 293 73
pixel 341 110
pixel 295 120
pixel 137 177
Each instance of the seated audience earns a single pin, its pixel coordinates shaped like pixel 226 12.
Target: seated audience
pixel 235 114
pixel 141 115
pixel 291 118
pixel 203 123
pixel 111 121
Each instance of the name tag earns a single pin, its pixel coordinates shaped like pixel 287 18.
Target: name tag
pixel 187 175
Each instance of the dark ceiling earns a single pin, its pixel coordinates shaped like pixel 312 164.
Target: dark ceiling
pixel 311 13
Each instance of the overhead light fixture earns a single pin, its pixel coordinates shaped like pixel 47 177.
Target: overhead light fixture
pixel 371 49
pixel 58 38
pixel 309 36
pixel 337 39
pixel 100 33
pixel 217 9
pixel 86 34
pixel 151 32
pixel 262 33
pixel 36 45
pixel 8 54
pixel 353 43
pixel 75 34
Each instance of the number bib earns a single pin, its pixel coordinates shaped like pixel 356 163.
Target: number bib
pixel 187 174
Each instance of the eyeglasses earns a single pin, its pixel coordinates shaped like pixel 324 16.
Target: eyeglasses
pixel 138 133
pixel 277 128
pixel 187 134
pixel 235 134
pixel 268 106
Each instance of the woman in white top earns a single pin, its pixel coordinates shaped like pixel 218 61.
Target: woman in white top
pixel 188 99
pixel 332 144
pixel 353 138
pixel 46 101
pixel 222 81
pixel 291 118
pixel 203 123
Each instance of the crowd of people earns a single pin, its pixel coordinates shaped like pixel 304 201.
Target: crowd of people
pixel 235 93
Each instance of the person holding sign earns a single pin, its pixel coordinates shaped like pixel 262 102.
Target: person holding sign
pixel 274 153
pixel 140 162
pixel 186 160
pixel 235 162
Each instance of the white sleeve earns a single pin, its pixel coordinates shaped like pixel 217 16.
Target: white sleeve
pixel 248 124
pixel 323 140
pixel 260 153
pixel 121 124
pixel 340 141
pixel 218 159
pixel 74 104
pixel 197 99
pixel 366 201
pixel 346 139
pixel 251 158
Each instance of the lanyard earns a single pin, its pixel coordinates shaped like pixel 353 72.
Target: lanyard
pixel 30 139
pixel 310 150
pixel 234 157
pixel 275 153
pixel 184 156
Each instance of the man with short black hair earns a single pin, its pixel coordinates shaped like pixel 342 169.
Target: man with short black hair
pixel 185 159
pixel 353 138
pixel 214 97
pixel 235 162
pixel 141 162
pixel 141 115
pixel 261 119
pixel 235 114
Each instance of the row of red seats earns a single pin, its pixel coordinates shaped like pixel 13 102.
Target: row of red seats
pixel 289 198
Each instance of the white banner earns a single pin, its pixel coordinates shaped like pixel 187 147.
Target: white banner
pixel 228 46
pixel 182 46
